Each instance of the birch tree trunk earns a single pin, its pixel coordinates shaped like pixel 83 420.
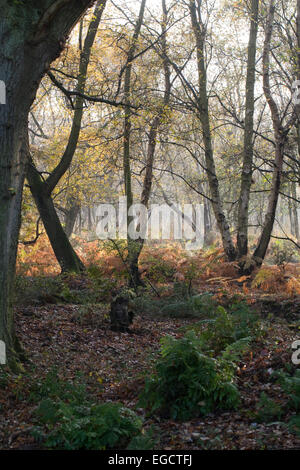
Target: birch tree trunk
pixel 131 244
pixel 151 148
pixel 243 208
pixel 280 137
pixel 204 118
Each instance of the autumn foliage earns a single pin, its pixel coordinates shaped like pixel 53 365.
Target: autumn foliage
pixel 164 264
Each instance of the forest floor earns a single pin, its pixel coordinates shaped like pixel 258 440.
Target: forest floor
pixel 64 326
pixel 75 338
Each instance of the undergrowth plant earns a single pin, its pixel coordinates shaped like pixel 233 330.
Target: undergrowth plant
pixel 268 410
pixel 55 388
pixel 87 426
pixel 187 382
pixel 37 290
pixel 195 374
pixel 230 330
pixel 290 384
pixel 282 252
pixel 67 418
pixel 178 305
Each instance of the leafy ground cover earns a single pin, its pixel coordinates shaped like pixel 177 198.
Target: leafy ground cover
pixel 200 331
pixel 77 339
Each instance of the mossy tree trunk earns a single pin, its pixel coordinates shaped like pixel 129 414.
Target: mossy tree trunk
pixel 31 37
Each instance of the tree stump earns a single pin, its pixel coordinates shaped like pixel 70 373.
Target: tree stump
pixel 121 316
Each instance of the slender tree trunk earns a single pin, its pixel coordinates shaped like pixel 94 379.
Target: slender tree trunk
pixel 280 135
pixel 31 38
pixel 203 113
pixel 64 252
pixel 72 213
pixel 207 224
pixel 290 209
pixel 137 246
pixel 208 235
pixel 127 100
pixel 60 243
pixel 261 249
pixel 297 229
pixel 243 208
pixel 131 244
pixel 294 189
pixel 295 211
pixel 90 221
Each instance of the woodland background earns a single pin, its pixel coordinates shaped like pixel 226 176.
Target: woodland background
pixel 143 345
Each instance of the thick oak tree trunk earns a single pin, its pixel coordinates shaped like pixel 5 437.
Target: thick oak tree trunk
pixel 11 184
pixel 31 37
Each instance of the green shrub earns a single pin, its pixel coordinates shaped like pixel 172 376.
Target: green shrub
pixel 87 426
pixel 268 410
pixel 182 289
pixel 95 272
pixel 187 382
pixel 53 387
pixel 193 306
pixel 67 418
pixel 4 378
pixel 177 305
pixel 291 386
pixel 100 285
pixel 39 290
pixel 246 322
pixel 237 328
pixel 204 304
pixel 282 252
pixel 219 332
pixel 91 315
pixel 294 425
pixel 79 296
pixel 67 288
pixel 143 441
pixel 233 352
pixel 160 270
